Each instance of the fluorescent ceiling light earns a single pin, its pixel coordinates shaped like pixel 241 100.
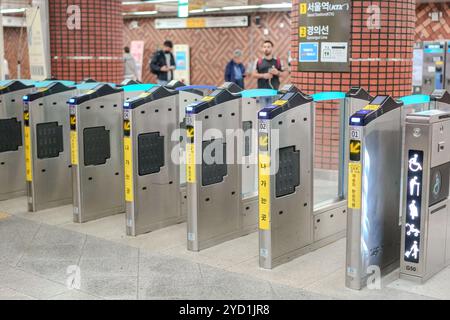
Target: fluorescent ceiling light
pixel 239 8
pixel 212 9
pixel 276 5
pixel 283 5
pixel 147 2
pixel 140 13
pixel 17 10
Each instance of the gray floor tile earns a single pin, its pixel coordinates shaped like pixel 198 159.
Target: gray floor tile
pixel 162 270
pixel 74 295
pixel 192 292
pixel 113 267
pixel 9 294
pixel 98 248
pixel 288 293
pixel 15 237
pixel 29 284
pixel 14 206
pixel 51 252
pixel 110 287
pixel 118 266
pixel 52 269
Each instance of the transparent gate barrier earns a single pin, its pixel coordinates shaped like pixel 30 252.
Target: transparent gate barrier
pixel 425 248
pixel 332 110
pixel 12 160
pixel 220 171
pixel 154 192
pixel 47 148
pixel 301 205
pixel 375 171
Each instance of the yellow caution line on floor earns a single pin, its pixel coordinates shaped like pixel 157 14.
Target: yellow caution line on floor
pixel 3 216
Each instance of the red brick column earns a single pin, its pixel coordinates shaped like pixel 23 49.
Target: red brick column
pixel 95 49
pixel 381 62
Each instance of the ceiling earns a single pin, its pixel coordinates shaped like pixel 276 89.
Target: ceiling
pixel 169 7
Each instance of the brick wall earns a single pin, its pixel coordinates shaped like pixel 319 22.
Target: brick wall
pixel 212 48
pixel 95 50
pixel 381 63
pixel 425 30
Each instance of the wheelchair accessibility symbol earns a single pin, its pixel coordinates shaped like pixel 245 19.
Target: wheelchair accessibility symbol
pixel 414 166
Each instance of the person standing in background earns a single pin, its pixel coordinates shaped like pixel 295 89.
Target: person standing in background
pixel 130 69
pixel 235 70
pixel 163 64
pixel 268 70
pixel 6 69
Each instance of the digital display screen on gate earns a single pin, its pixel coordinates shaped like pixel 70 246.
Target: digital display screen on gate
pixel 414 186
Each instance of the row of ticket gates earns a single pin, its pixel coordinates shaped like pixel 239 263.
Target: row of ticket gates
pixel 242 168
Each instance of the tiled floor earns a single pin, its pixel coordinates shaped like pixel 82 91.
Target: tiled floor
pixel 36 251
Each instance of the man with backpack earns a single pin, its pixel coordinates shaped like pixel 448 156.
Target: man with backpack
pixel 163 64
pixel 267 70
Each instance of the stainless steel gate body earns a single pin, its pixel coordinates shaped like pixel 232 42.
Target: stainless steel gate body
pixel 356 99
pixel 152 176
pixel 47 147
pixel 97 153
pixel 447 66
pixel 373 232
pixel 440 100
pixel 290 223
pixel 12 160
pixel 217 209
pixel 425 248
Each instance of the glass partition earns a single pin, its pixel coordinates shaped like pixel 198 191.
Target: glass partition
pixel 329 148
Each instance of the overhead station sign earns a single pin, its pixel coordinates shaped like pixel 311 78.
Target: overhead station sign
pixel 202 22
pixel 324 35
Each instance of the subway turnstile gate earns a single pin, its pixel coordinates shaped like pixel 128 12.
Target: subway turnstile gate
pixel 96 137
pixel 290 222
pixel 47 148
pixel 219 172
pixel 373 224
pixel 440 100
pixel 425 248
pixel 153 191
pixel 374 174
pixel 12 160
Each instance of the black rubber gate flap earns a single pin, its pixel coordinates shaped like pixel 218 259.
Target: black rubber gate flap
pixel 288 175
pixel 150 153
pixel 97 148
pixel 10 135
pixel 49 139
pixel 213 173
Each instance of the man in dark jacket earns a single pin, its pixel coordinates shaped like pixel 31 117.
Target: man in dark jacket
pixel 235 70
pixel 163 64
